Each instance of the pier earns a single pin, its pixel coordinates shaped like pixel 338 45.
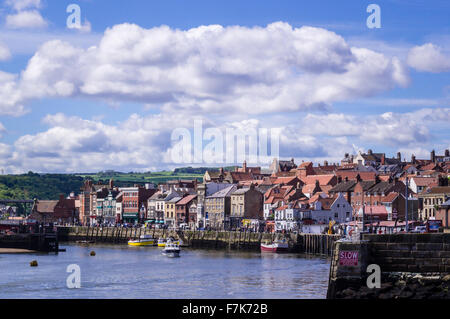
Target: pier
pixel 313 244
pixel 43 239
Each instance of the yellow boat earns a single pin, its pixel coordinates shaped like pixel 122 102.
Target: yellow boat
pixel 161 242
pixel 144 240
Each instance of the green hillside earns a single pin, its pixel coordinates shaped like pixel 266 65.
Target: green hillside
pixel 50 186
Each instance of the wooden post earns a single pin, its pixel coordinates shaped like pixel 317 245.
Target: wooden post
pixel 239 241
pixel 308 243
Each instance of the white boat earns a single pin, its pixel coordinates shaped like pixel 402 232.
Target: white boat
pixel 144 240
pixel 162 242
pixel 275 247
pixel 171 249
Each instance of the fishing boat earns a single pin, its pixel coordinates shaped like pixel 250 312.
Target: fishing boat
pixel 144 240
pixel 171 249
pixel 275 247
pixel 162 242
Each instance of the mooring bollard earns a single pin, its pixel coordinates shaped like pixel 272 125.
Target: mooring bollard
pixel 34 263
pixel 92 253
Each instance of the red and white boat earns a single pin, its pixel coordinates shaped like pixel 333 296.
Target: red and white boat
pixel 275 247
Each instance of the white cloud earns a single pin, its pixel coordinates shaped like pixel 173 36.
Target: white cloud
pixel 5 54
pixel 142 143
pixel 429 58
pixel 2 129
pixel 213 69
pixel 10 95
pixel 73 144
pixel 20 5
pixel 390 129
pixel 26 19
pixel 26 15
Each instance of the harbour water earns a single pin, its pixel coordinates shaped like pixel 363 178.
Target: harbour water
pixel 121 271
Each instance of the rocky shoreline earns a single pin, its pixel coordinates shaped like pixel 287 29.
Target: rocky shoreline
pixel 402 286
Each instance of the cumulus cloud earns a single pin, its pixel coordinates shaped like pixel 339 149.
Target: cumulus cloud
pixel 20 5
pixel 25 19
pixel 142 143
pixel 26 15
pixel 2 129
pixel 10 96
pixel 393 129
pixel 213 69
pixel 73 144
pixel 429 58
pixel 5 54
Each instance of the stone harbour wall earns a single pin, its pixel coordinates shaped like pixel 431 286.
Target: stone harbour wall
pixel 411 265
pixel 417 253
pixel 314 244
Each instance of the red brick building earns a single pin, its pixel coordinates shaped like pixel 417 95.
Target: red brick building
pixel 54 211
pixel 134 203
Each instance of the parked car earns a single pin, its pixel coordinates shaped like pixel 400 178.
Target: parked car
pixel 420 229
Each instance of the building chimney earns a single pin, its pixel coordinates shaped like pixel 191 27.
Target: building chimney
pixel 377 179
pixel 369 152
pixel 244 166
pixel 325 163
pixel 61 197
pixel 383 160
pixel 221 171
pixel 433 156
pixel 447 153
pixel 399 156
pixel 413 159
pixel 111 183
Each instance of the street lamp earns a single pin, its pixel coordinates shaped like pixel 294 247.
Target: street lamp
pixel 406 205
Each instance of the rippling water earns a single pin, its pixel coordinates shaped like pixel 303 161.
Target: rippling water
pixel 121 271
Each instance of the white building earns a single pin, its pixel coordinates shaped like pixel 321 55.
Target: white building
pixel 340 210
pixel 288 217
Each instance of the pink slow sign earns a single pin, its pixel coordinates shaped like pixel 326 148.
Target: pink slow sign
pixel 348 258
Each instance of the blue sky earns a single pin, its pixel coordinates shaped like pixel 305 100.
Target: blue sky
pixel 317 72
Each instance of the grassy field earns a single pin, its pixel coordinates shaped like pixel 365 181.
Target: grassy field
pixel 125 179
pixel 141 178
